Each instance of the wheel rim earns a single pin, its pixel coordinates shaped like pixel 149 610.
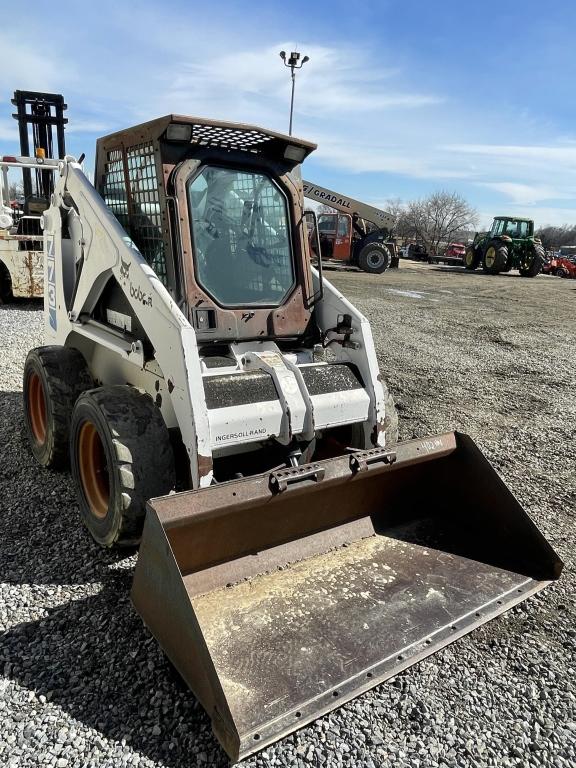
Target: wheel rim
pixel 469 258
pixel 37 408
pixel 490 257
pixel 375 259
pixel 93 470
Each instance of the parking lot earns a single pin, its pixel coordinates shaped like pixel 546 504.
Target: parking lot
pixel 85 684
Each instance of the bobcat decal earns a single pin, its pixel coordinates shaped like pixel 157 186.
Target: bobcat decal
pixel 124 268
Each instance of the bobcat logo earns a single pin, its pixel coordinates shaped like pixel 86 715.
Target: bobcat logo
pixel 124 268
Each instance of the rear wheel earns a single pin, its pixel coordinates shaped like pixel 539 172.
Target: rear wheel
pixel 532 262
pixel 561 272
pixel 495 257
pixel 54 378
pixel 121 456
pixel 471 258
pixel 374 258
pixel 6 294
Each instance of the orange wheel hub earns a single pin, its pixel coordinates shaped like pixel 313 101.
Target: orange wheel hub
pixel 37 408
pixel 93 469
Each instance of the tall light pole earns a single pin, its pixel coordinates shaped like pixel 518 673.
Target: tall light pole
pixel 292 62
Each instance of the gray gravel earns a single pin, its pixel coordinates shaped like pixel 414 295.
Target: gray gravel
pixel 83 683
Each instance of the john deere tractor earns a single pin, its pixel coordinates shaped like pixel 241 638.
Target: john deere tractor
pixel 510 244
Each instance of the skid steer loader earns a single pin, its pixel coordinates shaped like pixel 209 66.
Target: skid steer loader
pixel 191 347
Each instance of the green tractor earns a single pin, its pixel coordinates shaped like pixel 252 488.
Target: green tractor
pixel 510 244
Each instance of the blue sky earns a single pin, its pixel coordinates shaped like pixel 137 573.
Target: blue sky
pixel 402 97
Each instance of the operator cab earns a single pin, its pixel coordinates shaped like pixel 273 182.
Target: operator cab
pixel 517 229
pixel 215 210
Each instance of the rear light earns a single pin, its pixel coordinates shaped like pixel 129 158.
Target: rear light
pixel 9 159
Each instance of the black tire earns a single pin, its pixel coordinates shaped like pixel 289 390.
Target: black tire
pixel 561 272
pixel 54 378
pixel 495 257
pixel 121 456
pixel 6 295
pixel 374 258
pixel 534 262
pixel 471 258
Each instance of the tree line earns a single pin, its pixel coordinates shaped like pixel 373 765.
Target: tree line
pixel 555 237
pixel 442 217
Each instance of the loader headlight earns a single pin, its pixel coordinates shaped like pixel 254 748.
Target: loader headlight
pixel 179 132
pixel 294 153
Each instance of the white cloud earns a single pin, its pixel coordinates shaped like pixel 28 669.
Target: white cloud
pixel 31 67
pixel 336 83
pixel 88 126
pixel 529 194
pixel 560 154
pixel 541 214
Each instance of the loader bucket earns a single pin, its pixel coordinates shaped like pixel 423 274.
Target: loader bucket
pixel 279 597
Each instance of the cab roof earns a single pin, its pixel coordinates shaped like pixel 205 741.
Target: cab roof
pixel 204 132
pixel 512 218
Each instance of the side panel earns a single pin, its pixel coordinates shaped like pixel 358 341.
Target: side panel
pixel 105 251
pixel 333 305
pixel 26 269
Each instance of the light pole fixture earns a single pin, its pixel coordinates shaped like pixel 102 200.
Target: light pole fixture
pixel 294 63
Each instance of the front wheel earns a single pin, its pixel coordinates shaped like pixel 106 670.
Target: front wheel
pixel 495 258
pixel 121 456
pixel 374 258
pixel 471 259
pixel 561 272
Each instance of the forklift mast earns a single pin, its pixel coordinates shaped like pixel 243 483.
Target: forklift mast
pixel 44 112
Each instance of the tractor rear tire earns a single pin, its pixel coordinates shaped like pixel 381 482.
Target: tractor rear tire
pixel 535 266
pixel 121 456
pixel 374 258
pixel 471 258
pixel 495 257
pixel 54 378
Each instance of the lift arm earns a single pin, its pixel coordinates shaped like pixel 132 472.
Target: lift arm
pixel 102 250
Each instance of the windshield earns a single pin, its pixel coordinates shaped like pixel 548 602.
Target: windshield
pixel 327 222
pixel 240 231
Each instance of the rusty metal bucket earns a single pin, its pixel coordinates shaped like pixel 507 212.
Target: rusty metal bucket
pixel 281 596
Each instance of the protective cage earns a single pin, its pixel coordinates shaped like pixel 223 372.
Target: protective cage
pixel 281 597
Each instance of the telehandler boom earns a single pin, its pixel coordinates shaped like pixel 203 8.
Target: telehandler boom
pixel 305 556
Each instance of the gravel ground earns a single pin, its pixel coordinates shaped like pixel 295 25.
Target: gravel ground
pixel 84 684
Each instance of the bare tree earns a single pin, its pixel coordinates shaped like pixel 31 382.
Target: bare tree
pixel 396 208
pixel 15 189
pixel 438 219
pixel 323 208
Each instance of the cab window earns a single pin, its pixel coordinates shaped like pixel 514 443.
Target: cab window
pixel 343 226
pixel 240 228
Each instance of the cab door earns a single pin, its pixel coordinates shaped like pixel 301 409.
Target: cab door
pixel 343 240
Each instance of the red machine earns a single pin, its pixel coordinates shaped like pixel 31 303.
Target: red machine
pixel 561 266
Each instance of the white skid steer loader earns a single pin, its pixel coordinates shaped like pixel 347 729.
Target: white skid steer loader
pixel 305 556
